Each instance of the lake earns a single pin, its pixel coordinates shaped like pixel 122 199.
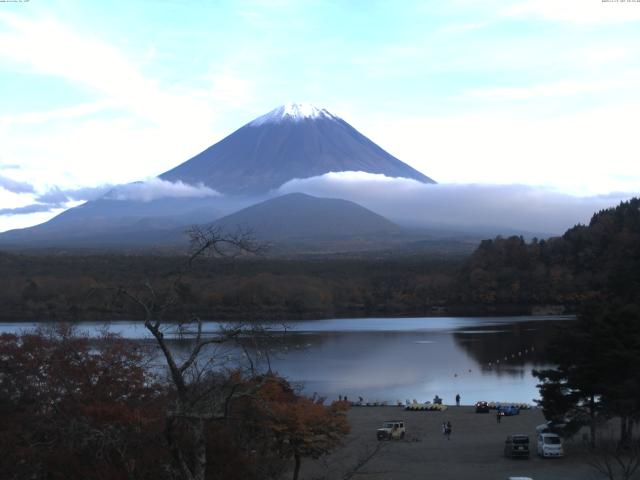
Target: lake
pixel 481 358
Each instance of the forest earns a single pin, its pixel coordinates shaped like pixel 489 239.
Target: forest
pixel 502 276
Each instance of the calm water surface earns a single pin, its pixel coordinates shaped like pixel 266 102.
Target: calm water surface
pixel 487 358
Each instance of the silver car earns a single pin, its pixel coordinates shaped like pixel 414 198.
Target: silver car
pixel 550 445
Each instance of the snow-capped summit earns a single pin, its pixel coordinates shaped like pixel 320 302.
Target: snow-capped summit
pixel 292 141
pixel 292 112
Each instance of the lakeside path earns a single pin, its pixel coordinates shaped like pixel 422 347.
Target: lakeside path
pixel 475 450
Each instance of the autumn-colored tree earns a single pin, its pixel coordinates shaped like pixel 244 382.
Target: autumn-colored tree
pixel 74 408
pixel 302 427
pixel 263 432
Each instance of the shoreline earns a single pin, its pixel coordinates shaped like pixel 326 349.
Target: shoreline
pixel 176 320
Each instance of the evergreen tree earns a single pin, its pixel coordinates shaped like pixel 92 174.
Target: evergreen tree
pixel 597 375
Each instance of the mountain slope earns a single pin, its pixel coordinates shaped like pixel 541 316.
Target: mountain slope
pixel 106 222
pixel 292 141
pixel 297 215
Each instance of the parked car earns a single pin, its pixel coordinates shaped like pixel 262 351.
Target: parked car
pixel 482 407
pixel 391 430
pixel 508 410
pixel 516 446
pixel 550 445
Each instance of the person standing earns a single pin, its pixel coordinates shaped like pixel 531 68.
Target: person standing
pixel 457 399
pixel 447 430
pixel 498 416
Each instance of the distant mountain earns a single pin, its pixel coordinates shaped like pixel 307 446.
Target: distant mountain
pixel 294 223
pixel 301 216
pixel 292 141
pixel 114 223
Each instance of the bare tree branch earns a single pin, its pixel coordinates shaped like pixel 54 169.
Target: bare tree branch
pixel 199 397
pixel 615 461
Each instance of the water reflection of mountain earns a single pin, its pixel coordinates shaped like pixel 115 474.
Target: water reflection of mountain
pixel 508 348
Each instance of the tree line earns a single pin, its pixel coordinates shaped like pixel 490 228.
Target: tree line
pixel 503 275
pixel 76 287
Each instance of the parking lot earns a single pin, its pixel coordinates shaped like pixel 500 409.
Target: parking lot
pixel 474 451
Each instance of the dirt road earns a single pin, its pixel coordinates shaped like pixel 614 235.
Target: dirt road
pixel 474 451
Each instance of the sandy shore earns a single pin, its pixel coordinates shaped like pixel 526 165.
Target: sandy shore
pixel 475 450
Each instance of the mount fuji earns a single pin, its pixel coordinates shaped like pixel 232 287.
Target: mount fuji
pixel 293 141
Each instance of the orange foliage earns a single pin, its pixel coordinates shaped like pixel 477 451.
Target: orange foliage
pixel 74 408
pixel 302 426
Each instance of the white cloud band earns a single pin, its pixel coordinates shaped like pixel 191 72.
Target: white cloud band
pixel 156 188
pixel 508 207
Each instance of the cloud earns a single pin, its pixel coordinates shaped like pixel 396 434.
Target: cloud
pixel 15 186
pixel 499 207
pixel 131 122
pixel 51 48
pixel 27 209
pixel 47 46
pixel 583 12
pixel 565 89
pixel 457 28
pixel 555 89
pixel 65 113
pixel 59 196
pixel 585 153
pixel 56 198
pixel 9 166
pixel 228 87
pixel 156 188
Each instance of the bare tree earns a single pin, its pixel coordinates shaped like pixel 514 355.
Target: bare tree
pixel 195 401
pixel 367 454
pixel 614 460
pixel 351 465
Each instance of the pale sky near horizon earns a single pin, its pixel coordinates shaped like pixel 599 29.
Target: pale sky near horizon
pixel 529 92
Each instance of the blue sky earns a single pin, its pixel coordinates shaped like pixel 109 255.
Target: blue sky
pixel 543 93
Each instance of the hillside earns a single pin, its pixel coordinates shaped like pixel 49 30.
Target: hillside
pixel 300 216
pixel 588 262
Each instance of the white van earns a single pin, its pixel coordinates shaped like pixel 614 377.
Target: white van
pixel 550 445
